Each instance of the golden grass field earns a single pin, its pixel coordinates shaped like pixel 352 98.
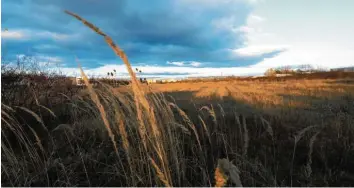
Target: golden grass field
pixel 268 97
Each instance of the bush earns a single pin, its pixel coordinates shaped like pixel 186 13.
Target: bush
pixel 270 72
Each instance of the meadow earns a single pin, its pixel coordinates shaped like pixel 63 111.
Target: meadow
pixel 288 132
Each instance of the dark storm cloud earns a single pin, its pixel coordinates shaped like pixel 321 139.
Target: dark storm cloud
pixel 148 31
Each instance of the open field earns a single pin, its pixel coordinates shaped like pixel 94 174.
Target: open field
pixel 276 133
pixel 265 97
pixel 319 96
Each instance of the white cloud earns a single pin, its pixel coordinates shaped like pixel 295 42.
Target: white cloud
pixel 252 31
pixel 251 28
pixel 52 35
pixel 316 36
pixel 325 57
pixel 50 59
pixel 195 64
pixel 245 29
pixel 253 18
pixel 185 63
pixel 250 51
pixel 12 35
pixel 41 57
pixel 177 63
pixel 43 61
pixel 45 47
pixel 161 71
pixel 25 34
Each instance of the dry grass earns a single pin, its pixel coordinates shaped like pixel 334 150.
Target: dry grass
pixel 194 132
pixel 265 94
pixel 175 134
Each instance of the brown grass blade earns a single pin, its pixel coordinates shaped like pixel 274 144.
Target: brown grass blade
pixel 139 96
pixel 160 174
pixel 100 107
pixel 189 122
pixel 34 115
pixel 50 111
pixel 90 25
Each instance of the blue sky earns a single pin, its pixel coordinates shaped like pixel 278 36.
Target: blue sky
pixel 181 38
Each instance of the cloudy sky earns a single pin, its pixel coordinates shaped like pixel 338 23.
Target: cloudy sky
pixel 170 38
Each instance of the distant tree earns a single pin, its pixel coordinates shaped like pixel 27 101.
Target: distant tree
pixel 277 71
pixel 270 72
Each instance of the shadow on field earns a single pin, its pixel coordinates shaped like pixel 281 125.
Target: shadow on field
pixel 301 145
pixel 304 104
pixel 188 101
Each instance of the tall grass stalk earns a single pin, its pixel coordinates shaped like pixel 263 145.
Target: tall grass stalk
pixel 309 155
pixel 101 109
pixel 297 138
pixel 143 108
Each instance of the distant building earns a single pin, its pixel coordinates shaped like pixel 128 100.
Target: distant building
pixel 165 80
pixel 151 80
pixel 169 80
pixel 344 69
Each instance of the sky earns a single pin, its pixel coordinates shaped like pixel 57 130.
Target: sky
pixel 180 38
